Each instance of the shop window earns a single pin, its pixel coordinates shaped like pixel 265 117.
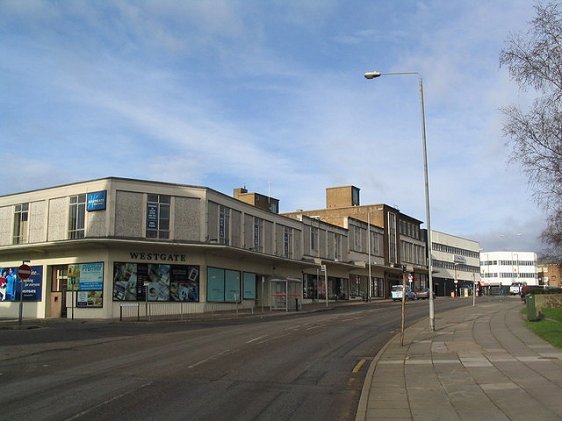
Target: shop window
pixel 155 282
pixel 223 285
pixel 21 228
pixel 77 216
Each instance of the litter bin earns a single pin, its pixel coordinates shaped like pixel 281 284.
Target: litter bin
pixel 532 314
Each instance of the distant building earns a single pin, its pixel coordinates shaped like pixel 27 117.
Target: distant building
pixel 503 268
pixel 456 263
pixel 394 241
pixel 549 274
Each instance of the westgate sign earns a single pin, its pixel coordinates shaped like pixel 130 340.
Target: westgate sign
pixel 152 257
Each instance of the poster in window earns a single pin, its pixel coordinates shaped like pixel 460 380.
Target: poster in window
pixel 152 216
pixel 155 282
pixel 12 287
pixel 158 288
pixel 125 282
pixel 184 285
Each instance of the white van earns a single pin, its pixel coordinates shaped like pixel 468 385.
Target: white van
pixel 396 293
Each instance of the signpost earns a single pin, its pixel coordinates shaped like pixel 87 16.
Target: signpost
pixel 24 272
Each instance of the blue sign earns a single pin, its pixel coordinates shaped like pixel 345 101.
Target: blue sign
pixel 11 287
pixel 96 201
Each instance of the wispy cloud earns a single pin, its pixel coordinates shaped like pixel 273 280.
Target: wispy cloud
pixel 270 95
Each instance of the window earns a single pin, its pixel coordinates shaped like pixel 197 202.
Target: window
pixel 338 247
pixel 258 234
pixel 392 251
pixel 357 238
pixel 287 242
pixel 77 216
pixel 314 238
pixel 224 225
pixel 158 216
pixel 21 217
pixel 223 285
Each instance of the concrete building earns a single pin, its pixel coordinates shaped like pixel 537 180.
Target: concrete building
pixel 395 240
pixel 101 247
pixel 456 264
pixel 502 268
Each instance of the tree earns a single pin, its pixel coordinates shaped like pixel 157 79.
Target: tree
pixel 534 61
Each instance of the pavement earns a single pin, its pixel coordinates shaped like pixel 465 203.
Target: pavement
pixel 480 363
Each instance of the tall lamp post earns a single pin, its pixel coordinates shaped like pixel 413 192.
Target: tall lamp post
pixel 373 75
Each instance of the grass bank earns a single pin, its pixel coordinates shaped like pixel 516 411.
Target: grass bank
pixel 550 327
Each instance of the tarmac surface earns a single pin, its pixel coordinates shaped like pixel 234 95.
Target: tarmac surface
pixel 480 363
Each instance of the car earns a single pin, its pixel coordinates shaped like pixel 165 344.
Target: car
pixel 396 293
pixel 515 288
pixel 423 294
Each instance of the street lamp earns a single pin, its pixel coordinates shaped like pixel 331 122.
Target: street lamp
pixel 373 75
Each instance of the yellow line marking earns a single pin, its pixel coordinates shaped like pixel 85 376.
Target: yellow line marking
pixel 358 366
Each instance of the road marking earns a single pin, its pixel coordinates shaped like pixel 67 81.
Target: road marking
pixel 80 414
pixel 208 359
pixel 358 366
pixel 256 339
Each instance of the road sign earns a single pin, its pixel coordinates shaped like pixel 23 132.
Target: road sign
pixel 24 271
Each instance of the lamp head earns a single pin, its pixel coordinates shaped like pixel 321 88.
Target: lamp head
pixel 372 75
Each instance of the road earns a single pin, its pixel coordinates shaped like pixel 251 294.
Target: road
pixel 304 366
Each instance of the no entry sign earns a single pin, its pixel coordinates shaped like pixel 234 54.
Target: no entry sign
pixel 24 271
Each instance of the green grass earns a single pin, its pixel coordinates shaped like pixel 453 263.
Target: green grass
pixel 550 327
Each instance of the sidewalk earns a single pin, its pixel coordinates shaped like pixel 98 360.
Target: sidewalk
pixel 480 363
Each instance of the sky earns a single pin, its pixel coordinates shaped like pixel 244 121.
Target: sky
pixel 270 95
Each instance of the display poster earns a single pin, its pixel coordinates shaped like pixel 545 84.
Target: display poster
pixel 249 286
pixel 152 216
pixel 87 280
pixel 89 299
pixel 155 282
pixel 11 286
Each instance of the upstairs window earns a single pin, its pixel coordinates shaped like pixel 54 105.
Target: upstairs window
pixel 158 216
pixel 258 234
pixel 77 216
pixel 287 242
pixel 224 225
pixel 21 217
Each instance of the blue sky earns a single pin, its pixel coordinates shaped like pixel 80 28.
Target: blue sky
pixel 270 95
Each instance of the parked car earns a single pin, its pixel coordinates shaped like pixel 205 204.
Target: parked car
pixel 515 288
pixel 396 293
pixel 423 294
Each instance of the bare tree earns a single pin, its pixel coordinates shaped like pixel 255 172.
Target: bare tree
pixel 534 61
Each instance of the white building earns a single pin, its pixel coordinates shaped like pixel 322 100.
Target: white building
pixel 102 247
pixel 502 268
pixel 456 263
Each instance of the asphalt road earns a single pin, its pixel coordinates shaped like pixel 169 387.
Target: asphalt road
pixel 304 366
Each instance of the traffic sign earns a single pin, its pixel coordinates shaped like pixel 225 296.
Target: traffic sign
pixel 24 271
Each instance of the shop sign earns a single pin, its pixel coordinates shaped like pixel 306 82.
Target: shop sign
pixel 155 256
pixel 96 201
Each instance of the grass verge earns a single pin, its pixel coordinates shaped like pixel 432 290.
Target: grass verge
pixel 550 327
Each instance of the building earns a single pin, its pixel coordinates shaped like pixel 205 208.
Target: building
pixel 456 264
pixel 392 243
pixel 502 268
pixel 101 247
pixel 549 274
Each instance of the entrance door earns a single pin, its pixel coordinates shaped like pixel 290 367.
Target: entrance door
pixel 59 280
